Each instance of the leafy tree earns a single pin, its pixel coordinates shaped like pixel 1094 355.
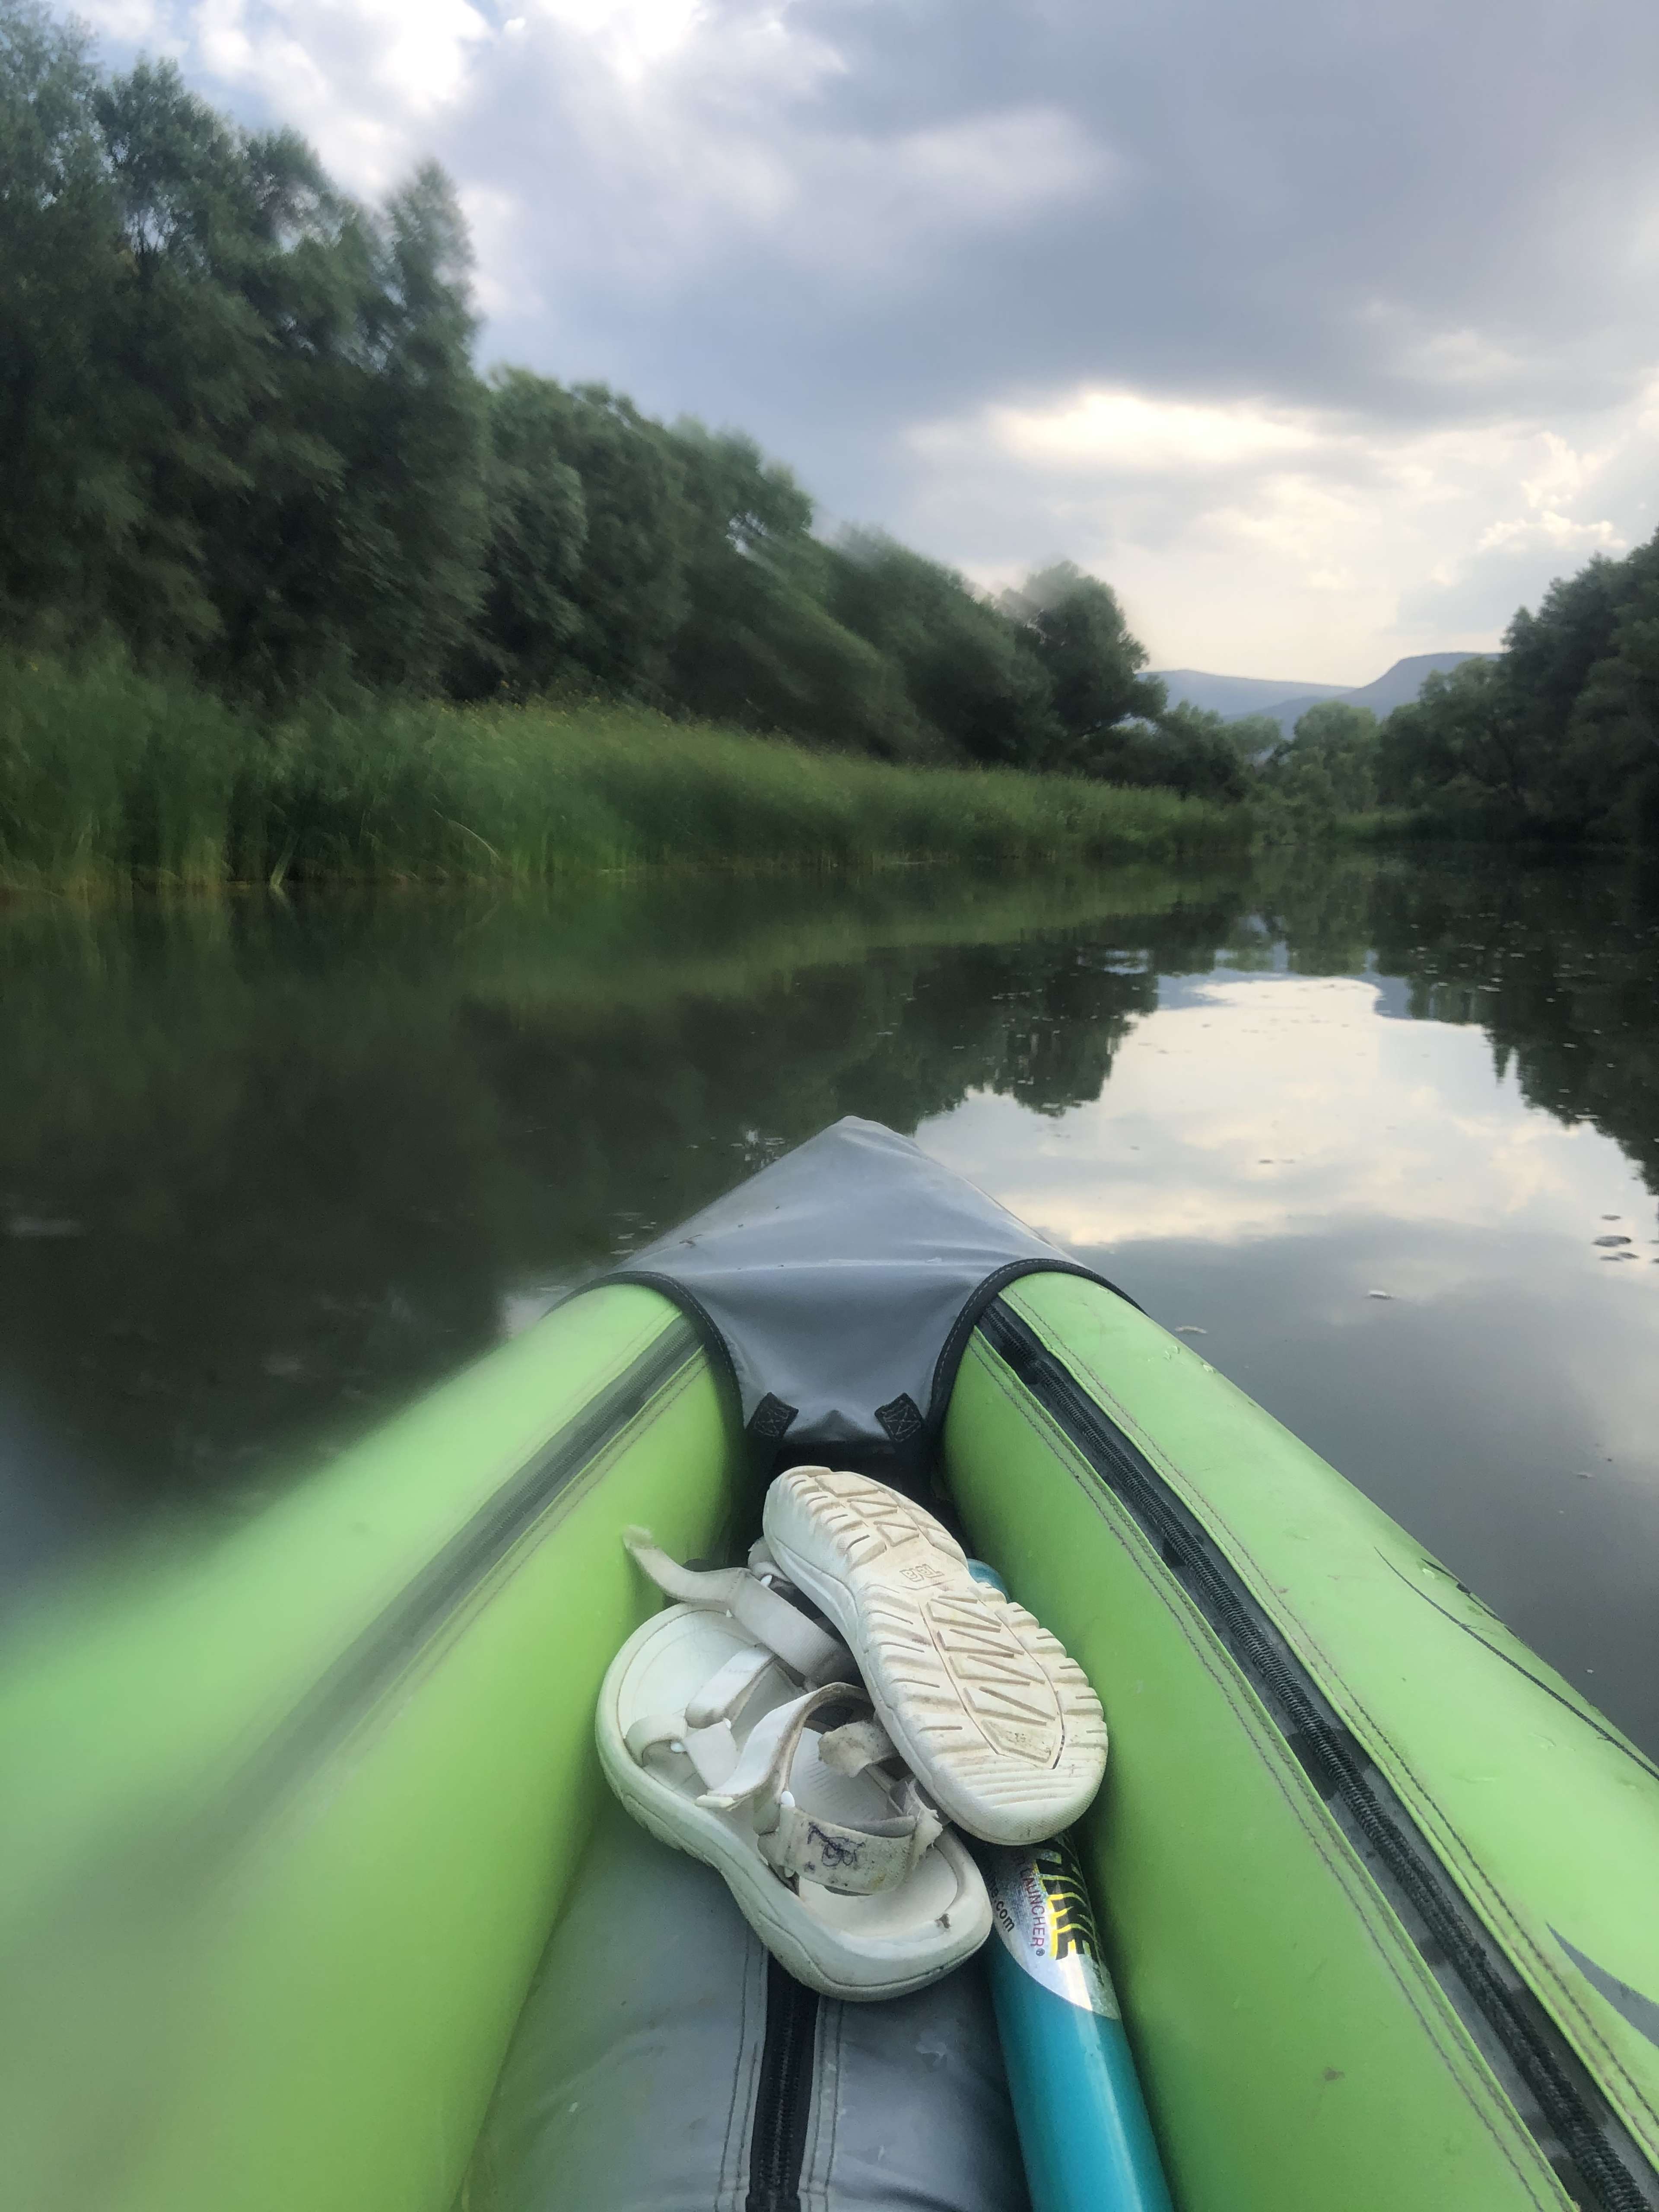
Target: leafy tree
pixel 414 515
pixel 537 528
pixel 1082 642
pixel 973 677
pixel 1558 735
pixel 629 590
pixel 354 549
pixel 1467 740
pixel 1255 736
pixel 1328 768
pixel 1607 773
pixel 758 645
pixel 1549 655
pixel 242 422
pixel 65 485
pixel 1187 750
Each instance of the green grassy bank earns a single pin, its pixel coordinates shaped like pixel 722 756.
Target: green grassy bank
pixel 109 778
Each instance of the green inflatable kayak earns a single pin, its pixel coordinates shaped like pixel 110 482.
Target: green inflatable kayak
pixel 286 1830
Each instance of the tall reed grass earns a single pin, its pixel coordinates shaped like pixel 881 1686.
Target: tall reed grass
pixel 110 777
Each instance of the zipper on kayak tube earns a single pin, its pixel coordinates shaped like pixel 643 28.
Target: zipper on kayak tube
pixel 783 2101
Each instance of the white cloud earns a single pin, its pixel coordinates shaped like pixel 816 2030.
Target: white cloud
pixel 136 21
pixel 632 36
pixel 1257 538
pixel 366 81
pixel 1139 434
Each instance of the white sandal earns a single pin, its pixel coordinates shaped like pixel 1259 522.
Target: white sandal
pixel 846 1875
pixel 757 1598
pixel 981 1702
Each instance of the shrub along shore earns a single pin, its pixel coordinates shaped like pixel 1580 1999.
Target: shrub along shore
pixel 110 778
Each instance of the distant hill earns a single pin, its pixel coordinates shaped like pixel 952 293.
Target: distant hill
pixel 1396 688
pixel 1233 695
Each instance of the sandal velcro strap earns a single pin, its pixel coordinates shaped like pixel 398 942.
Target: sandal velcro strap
pixel 799 1846
pixel 851 1862
pixel 712 1751
pixel 655 1732
pixel 724 1690
pixel 804 1648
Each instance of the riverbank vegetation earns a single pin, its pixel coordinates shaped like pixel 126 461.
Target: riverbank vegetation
pixel 109 776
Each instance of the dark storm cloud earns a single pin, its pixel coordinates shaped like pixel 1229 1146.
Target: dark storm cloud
pixel 1290 198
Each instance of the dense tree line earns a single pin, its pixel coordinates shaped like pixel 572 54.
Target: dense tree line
pixel 241 432
pixel 1555 739
pixel 1557 735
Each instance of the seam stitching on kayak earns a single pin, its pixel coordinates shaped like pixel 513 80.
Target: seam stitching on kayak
pixel 1500 1910
pixel 984 1296
pixel 826 2114
pixel 1335 1853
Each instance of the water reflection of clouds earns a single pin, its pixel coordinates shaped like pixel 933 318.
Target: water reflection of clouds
pixel 1267 1107
pixel 1267 1152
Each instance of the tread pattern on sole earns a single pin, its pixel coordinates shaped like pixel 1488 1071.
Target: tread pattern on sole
pixel 1004 1722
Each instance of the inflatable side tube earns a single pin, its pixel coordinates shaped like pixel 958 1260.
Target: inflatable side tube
pixel 1382 1882
pixel 286 1829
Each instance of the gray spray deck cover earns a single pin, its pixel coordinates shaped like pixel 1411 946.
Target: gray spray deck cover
pixel 841 1284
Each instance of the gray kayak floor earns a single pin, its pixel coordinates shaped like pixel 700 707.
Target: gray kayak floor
pixel 640 2078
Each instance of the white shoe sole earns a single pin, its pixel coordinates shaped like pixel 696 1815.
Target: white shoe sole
pixel 998 1724
pixel 857 1947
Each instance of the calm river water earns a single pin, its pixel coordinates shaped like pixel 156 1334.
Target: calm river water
pixel 1381 1134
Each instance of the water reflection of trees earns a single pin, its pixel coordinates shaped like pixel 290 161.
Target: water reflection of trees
pixel 1559 965
pixel 1558 962
pixel 297 1155
pixel 274 1168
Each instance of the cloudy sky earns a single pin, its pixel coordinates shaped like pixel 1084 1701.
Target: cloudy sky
pixel 1326 330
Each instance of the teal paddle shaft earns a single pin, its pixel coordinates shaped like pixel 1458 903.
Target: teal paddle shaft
pixel 1084 2133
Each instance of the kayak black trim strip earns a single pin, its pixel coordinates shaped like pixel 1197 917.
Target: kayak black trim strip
pixel 368 1667
pixel 1556 2098
pixel 982 1302
pixel 783 2100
